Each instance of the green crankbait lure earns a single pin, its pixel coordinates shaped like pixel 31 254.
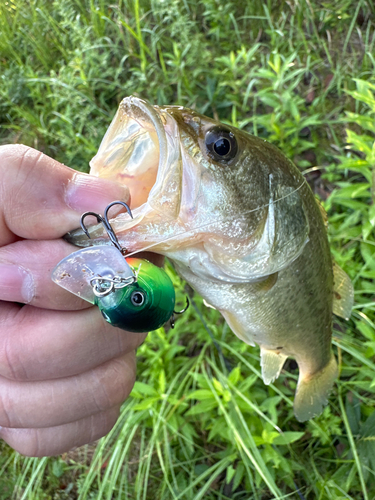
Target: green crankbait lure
pixel 146 304
pixel 132 294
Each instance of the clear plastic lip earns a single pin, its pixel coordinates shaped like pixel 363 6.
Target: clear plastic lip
pixel 76 272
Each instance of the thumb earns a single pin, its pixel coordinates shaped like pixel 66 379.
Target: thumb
pixel 42 199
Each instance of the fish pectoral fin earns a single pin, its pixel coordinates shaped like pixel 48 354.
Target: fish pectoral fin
pixel 343 293
pixel 313 391
pixel 271 363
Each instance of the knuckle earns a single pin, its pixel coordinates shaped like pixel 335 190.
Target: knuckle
pixel 13 150
pixel 105 424
pixel 6 405
pixel 14 154
pixel 28 443
pixel 17 165
pixel 116 382
pixel 31 447
pixel 124 372
pixel 127 342
pixel 11 366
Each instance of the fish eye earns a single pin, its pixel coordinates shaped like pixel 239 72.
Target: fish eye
pixel 221 144
pixel 137 298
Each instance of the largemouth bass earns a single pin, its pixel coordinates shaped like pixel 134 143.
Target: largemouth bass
pixel 242 227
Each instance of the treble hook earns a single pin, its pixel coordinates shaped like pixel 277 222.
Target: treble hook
pixel 185 308
pixel 98 217
pixel 107 226
pixel 172 322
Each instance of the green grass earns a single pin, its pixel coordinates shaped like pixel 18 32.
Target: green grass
pixel 200 423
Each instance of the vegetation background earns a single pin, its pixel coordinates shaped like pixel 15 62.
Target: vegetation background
pixel 300 73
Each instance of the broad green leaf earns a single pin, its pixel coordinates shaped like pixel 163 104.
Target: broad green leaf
pixel 366 122
pixel 202 382
pixel 219 428
pixel 203 407
pixel 230 473
pixel 270 100
pixel 294 110
pixel 146 403
pixel 288 437
pixel 352 163
pixel 219 388
pixel 140 388
pixel 363 93
pixel 366 330
pixel 240 471
pixel 200 394
pixel 234 375
pixel 363 84
pixel 368 254
pixel 58 468
pixel 371 214
pixel 360 142
pixel 162 382
pixel 367 229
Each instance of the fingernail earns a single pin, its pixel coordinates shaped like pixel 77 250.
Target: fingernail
pixel 16 284
pixel 89 193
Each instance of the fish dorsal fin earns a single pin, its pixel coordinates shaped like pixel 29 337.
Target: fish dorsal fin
pixel 343 293
pixel 323 212
pixel 271 363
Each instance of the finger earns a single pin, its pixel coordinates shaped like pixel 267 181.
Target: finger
pixel 40 197
pixel 57 402
pixel 25 270
pixel 56 440
pixel 37 344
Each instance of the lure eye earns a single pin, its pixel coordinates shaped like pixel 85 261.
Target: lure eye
pixel 137 298
pixel 221 144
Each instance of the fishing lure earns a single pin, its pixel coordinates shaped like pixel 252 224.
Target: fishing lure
pixel 132 294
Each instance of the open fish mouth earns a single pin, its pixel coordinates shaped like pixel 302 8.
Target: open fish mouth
pixel 133 149
pixel 140 150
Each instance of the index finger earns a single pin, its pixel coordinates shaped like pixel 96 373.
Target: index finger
pixel 43 199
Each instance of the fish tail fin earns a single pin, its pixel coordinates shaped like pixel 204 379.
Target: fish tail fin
pixel 313 391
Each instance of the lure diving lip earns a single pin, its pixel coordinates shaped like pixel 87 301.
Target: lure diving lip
pixel 132 294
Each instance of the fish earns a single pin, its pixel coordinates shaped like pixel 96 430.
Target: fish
pixel 240 224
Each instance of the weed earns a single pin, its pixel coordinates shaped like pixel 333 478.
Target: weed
pixel 200 423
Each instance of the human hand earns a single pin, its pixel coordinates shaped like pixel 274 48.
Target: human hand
pixel 64 371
